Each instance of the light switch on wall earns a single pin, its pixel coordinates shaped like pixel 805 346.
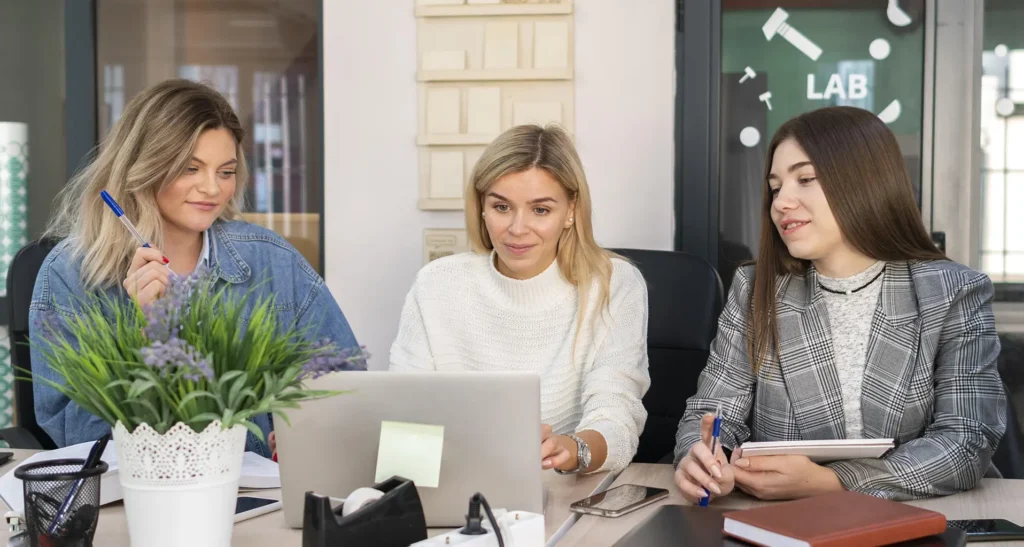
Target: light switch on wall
pixel 439 243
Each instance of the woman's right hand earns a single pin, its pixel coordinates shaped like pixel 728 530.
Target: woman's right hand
pixel 148 275
pixel 699 469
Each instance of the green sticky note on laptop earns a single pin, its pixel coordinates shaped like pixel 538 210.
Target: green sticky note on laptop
pixel 412 451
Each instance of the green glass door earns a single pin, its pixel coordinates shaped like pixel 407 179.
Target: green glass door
pixel 782 58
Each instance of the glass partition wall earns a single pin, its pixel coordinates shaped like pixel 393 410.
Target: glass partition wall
pixel 263 56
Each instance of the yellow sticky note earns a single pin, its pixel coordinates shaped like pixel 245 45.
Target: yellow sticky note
pixel 412 451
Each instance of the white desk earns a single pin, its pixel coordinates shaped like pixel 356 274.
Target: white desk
pixel 994 498
pixel 269 530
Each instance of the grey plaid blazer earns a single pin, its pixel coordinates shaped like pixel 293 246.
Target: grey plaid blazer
pixel 930 380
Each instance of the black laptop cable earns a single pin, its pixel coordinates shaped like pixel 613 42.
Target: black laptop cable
pixel 474 522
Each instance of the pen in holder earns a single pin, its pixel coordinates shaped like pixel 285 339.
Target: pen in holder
pixel 51 486
pixel 394 520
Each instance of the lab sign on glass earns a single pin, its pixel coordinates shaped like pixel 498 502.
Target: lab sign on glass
pixel 856 87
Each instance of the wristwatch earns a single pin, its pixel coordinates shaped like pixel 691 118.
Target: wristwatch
pixel 582 456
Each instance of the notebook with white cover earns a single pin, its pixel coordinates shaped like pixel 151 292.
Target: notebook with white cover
pixel 821 450
pixel 257 473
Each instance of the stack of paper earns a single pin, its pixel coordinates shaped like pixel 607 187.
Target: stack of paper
pixel 823 450
pixel 257 473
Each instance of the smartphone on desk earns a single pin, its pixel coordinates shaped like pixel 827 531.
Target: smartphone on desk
pixel 618 501
pixel 248 507
pixel 988 529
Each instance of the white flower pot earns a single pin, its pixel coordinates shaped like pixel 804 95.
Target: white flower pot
pixel 180 487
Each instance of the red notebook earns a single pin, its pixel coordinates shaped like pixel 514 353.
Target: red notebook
pixel 840 519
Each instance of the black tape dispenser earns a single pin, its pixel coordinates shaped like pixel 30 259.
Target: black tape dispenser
pixel 392 520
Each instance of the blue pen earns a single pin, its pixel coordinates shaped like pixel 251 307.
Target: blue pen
pixel 124 220
pixel 716 430
pixel 94 458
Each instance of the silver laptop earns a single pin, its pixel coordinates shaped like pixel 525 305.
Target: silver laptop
pixel 491 438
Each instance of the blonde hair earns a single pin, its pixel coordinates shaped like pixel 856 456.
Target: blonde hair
pixel 580 259
pixel 149 147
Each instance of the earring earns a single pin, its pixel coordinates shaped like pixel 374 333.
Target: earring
pixel 483 214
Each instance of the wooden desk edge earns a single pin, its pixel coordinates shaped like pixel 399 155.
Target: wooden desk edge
pixel 991 498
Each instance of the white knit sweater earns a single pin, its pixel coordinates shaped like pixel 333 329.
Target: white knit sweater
pixel 462 314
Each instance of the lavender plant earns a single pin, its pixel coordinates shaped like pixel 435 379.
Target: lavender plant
pixel 196 355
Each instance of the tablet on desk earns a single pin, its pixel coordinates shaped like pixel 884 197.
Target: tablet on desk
pixel 823 450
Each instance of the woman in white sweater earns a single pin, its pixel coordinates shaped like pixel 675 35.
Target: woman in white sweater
pixel 514 303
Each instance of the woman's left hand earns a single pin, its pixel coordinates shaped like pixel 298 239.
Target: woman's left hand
pixel 555 452
pixel 782 477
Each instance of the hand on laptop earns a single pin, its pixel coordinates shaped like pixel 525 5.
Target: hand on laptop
pixel 555 450
pixel 699 469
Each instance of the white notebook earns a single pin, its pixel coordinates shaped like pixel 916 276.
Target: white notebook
pixel 821 451
pixel 257 473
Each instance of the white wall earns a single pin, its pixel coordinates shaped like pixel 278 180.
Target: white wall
pixel 625 87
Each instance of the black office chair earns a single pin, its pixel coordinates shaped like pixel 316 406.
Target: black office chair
pixel 685 297
pixel 1009 455
pixel 21 279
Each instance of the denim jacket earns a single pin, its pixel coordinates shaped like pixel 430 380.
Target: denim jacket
pixel 243 256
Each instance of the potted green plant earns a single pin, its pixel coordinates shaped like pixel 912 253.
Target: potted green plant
pixel 178 381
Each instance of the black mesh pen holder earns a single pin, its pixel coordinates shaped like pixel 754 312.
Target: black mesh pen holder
pixel 62 502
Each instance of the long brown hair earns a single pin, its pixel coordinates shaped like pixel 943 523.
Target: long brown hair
pixel 860 168
pixel 521 148
pixel 148 148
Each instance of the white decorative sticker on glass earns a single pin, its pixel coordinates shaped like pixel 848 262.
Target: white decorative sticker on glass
pixel 880 48
pixel 856 87
pixel 748 73
pixel 891 113
pixel 766 98
pixel 896 15
pixel 1004 107
pixel 750 136
pixel 776 24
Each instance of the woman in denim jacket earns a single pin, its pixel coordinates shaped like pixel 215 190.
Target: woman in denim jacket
pixel 174 163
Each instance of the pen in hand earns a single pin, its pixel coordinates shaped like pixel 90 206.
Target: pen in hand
pixel 716 430
pixel 109 200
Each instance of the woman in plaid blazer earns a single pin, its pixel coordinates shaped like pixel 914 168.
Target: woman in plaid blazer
pixel 838 202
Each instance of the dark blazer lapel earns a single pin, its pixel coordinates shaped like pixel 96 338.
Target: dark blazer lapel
pixel 808 360
pixel 892 352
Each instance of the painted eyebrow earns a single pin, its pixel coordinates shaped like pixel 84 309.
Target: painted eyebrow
pixel 792 168
pixel 225 164
pixel 533 202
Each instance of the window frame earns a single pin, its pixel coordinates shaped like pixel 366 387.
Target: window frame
pixel 82 108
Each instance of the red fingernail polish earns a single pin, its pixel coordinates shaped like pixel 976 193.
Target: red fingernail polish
pixel 274 457
pixel 166 261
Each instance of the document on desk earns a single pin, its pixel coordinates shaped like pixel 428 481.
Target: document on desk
pixel 412 451
pixel 821 450
pixel 258 473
